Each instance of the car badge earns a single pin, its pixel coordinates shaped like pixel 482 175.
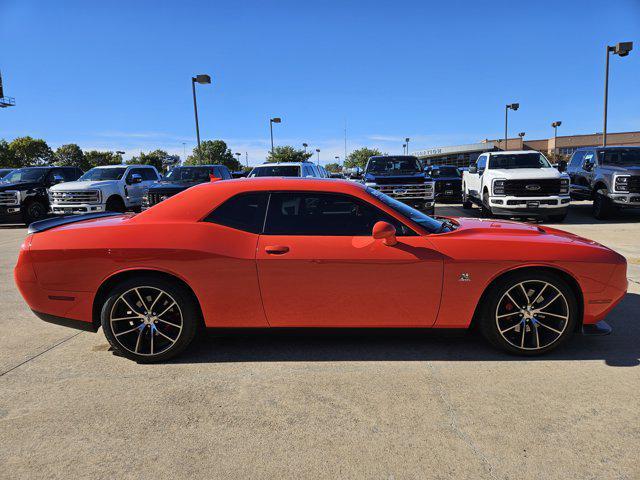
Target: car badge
pixel 400 191
pixel 533 187
pixel 464 277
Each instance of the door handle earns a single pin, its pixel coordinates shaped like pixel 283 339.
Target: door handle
pixel 276 249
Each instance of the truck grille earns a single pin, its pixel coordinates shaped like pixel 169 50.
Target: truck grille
pixel 445 186
pixel 9 198
pixel 532 188
pixel 73 198
pixel 634 184
pixel 154 198
pixel 408 192
pixel 394 180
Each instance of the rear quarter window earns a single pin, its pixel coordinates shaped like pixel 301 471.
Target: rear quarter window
pixel 242 212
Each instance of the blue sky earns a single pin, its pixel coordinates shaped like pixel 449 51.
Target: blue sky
pixel 116 75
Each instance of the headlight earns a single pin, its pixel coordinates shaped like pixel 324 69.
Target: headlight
pixel 564 186
pixel 622 184
pixel 498 187
pixel 370 184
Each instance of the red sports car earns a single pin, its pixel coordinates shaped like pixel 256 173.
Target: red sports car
pixel 276 252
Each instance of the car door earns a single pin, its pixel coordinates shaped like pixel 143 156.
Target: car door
pixel 319 266
pixel 472 180
pixel 588 169
pixel 576 175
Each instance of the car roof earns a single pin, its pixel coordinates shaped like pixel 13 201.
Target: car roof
pixel 513 152
pixel 120 166
pixel 608 147
pixel 281 164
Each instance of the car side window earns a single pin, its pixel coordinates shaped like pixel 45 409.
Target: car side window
pixel 481 163
pixel 242 212
pixel 324 214
pixel 576 159
pixel 223 173
pixel 148 174
pixel 589 157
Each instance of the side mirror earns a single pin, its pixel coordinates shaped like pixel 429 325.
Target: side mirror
pixel 588 165
pixel 57 179
pixel 562 166
pixel 386 232
pixel 473 169
pixel 135 178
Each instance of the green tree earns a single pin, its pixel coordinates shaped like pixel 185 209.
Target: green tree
pixel 71 155
pixel 154 158
pixel 27 152
pixel 288 153
pixel 213 151
pixel 7 159
pixel 359 158
pixel 333 167
pixel 95 158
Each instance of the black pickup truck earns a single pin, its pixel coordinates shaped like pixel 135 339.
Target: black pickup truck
pixel 181 178
pixel 23 192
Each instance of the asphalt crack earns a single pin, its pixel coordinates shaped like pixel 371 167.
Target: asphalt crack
pixel 453 422
pixel 40 353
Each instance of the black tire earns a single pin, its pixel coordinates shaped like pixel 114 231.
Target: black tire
pixel 520 337
pixel 557 218
pixel 486 209
pixel 603 207
pixel 135 336
pixel 466 203
pixel 115 204
pixel 33 211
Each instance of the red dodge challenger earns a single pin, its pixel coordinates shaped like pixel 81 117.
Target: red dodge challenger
pixel 276 252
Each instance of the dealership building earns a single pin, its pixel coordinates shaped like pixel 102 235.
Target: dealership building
pixel 463 155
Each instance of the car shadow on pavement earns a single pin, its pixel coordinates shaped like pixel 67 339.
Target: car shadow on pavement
pixel 620 349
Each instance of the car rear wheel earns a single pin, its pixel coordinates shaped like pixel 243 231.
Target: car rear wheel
pixel 149 319
pixel 529 313
pixel 115 204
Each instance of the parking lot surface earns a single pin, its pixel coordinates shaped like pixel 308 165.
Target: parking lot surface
pixel 357 405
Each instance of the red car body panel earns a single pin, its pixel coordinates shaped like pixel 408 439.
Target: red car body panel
pixel 427 280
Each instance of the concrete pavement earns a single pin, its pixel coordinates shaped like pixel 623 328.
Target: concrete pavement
pixel 322 406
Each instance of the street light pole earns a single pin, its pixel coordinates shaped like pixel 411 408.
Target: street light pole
pixel 514 107
pixel 318 150
pixel 407 143
pixel 202 79
pixel 521 135
pixel 404 148
pixel 305 145
pixel 271 122
pixel 622 49
pixel 555 126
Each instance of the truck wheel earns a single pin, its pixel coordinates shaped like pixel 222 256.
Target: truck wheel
pixel 466 204
pixel 33 211
pixel 603 207
pixel 115 204
pixel 486 209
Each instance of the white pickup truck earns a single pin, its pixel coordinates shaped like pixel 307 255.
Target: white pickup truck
pixel 112 188
pixel 519 183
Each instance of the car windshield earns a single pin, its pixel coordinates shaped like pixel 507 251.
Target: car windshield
pixel 25 175
pixel 627 157
pixel 188 174
pixel 429 223
pixel 276 171
pixel 103 174
pixel 521 160
pixel 393 165
pixel 445 172
pixel 3 172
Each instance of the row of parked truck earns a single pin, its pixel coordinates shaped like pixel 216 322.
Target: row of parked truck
pixel 505 183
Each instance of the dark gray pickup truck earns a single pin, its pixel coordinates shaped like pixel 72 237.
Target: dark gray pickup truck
pixel 610 176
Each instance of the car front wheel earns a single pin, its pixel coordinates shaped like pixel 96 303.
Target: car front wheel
pixel 149 319
pixel 529 313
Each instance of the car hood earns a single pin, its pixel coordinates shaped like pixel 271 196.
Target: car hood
pixel 527 173
pixel 623 170
pixel 19 186
pixel 83 185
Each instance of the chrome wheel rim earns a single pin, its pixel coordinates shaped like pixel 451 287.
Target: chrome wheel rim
pixel 146 321
pixel 532 315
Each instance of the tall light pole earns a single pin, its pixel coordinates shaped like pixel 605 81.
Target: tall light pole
pixel 622 49
pixel 521 135
pixel 238 154
pixel 318 151
pixel 184 149
pixel 305 145
pixel 555 126
pixel 246 158
pixel 271 122
pixel 404 148
pixel 202 79
pixel 514 107
pixel 407 143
